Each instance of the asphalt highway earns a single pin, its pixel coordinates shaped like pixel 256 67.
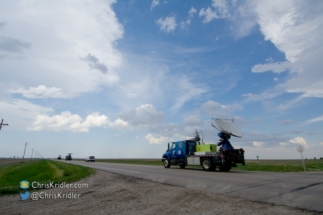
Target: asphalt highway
pixel 301 190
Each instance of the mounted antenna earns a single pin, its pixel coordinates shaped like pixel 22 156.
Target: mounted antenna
pixel 196 137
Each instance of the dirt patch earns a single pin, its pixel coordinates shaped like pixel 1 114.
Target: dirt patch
pixel 4 162
pixel 110 193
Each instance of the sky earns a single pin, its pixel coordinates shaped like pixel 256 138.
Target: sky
pixel 121 79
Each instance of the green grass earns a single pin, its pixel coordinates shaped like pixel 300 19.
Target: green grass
pixel 281 165
pixel 251 165
pixel 40 171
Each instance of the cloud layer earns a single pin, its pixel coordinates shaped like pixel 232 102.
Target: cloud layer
pixel 293 27
pixel 68 121
pixel 77 46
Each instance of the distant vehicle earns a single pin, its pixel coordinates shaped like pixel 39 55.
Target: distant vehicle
pixel 68 157
pixel 59 157
pixel 192 152
pixel 90 159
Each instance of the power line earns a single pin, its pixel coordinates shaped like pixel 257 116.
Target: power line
pixel 8 135
pixel 16 136
pixel 15 133
pixel 36 154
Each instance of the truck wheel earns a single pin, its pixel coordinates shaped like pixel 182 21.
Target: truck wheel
pixel 225 168
pixel 207 164
pixel 166 163
pixel 182 166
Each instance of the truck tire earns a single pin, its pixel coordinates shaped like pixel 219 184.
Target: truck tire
pixel 207 164
pixel 225 168
pixel 166 163
pixel 182 166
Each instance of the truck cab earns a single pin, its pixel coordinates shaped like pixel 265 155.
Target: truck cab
pixel 177 152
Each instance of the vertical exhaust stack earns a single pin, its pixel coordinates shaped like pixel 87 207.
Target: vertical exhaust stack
pixel 202 137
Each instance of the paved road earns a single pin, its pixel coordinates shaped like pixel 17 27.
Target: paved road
pixel 301 190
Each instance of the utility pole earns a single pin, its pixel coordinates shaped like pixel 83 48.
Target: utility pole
pixel 31 157
pixel 23 157
pixel 1 124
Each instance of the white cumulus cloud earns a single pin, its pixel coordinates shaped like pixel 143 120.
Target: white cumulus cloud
pixel 192 12
pixel 142 115
pixel 156 140
pixel 118 124
pixel 154 3
pixel 219 10
pixel 257 143
pixel 215 109
pixel 299 141
pixel 69 122
pixel 41 92
pixel 167 24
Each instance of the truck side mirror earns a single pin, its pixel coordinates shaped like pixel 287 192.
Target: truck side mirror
pixel 168 147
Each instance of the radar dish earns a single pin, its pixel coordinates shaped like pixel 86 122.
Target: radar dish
pixel 300 149
pixel 228 126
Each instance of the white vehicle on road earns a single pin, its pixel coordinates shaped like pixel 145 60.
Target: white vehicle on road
pixel 90 159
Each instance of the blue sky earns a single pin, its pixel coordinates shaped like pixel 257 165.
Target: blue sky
pixel 122 79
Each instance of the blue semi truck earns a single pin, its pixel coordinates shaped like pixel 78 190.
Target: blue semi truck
pixel 192 152
pixel 183 153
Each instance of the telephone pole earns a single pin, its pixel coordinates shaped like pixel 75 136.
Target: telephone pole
pixel 23 157
pixel 32 154
pixel 1 124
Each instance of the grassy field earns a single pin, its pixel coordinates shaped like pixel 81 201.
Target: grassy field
pixel 10 161
pixel 251 165
pixel 41 171
pixel 282 165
